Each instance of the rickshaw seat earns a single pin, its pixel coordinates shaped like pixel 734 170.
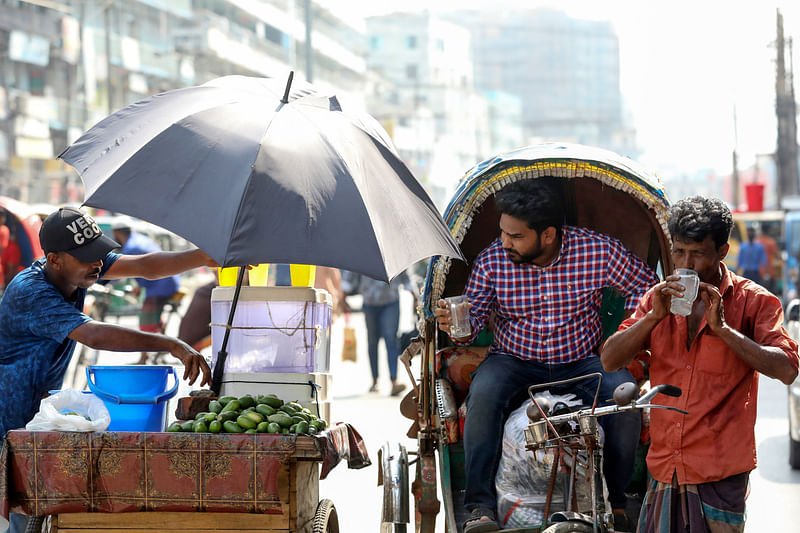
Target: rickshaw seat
pixel 456 363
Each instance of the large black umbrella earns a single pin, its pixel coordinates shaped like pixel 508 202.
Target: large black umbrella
pixel 252 170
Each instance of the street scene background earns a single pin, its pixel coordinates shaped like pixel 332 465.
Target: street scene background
pixel 701 93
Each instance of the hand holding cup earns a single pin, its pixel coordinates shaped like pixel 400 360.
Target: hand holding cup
pixel 682 305
pixel 452 314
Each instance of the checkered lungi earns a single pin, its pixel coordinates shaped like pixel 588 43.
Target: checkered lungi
pixel 715 507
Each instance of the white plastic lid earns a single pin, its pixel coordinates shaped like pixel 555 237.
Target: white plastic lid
pixel 272 294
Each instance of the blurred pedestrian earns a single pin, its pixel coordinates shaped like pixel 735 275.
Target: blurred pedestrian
pixel 381 308
pixel 773 254
pixel 752 258
pixel 157 291
pixel 195 326
pixel 330 279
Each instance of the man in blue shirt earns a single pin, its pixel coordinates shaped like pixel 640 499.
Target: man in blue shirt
pixel 752 259
pixel 157 292
pixel 41 315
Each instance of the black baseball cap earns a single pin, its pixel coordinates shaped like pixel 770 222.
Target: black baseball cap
pixel 73 231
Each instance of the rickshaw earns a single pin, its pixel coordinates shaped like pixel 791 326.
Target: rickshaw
pixel 604 192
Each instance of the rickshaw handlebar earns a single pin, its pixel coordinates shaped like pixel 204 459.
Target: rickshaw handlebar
pixel 641 403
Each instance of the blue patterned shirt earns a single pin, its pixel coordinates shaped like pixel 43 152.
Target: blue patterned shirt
pixel 35 321
pixel 551 314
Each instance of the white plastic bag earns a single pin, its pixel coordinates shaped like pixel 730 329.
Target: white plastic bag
pixel 70 410
pixel 523 477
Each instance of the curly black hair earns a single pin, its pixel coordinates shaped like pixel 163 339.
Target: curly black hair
pixel 697 217
pixel 536 201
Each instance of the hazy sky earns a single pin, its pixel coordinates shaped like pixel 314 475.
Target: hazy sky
pixel 685 66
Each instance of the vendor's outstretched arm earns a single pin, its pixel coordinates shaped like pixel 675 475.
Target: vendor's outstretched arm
pixel 102 336
pixel 157 265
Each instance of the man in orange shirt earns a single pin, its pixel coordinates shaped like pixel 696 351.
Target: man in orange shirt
pixel 714 355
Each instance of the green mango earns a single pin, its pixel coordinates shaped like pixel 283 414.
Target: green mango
pixel 232 427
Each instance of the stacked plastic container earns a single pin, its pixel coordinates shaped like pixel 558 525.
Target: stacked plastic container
pixel 279 343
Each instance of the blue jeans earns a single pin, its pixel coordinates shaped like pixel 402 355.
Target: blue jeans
pixel 500 385
pixel 382 322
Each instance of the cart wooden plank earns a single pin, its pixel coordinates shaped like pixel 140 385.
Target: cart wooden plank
pixel 165 521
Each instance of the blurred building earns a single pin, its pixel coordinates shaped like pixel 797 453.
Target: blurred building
pixel 565 71
pixel 66 64
pixel 440 122
pixel 505 121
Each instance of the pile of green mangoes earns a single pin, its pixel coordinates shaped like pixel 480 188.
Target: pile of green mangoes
pixel 253 414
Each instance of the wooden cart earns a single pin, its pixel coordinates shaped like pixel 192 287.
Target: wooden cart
pixel 86 482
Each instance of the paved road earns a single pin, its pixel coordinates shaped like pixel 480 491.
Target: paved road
pixel 775 488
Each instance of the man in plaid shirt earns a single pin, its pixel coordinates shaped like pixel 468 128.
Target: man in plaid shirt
pixel 542 282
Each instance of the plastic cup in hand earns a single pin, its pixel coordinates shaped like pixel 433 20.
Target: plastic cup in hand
pixel 691 282
pixel 459 316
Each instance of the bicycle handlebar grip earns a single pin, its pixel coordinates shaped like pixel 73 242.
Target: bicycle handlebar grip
pixel 670 390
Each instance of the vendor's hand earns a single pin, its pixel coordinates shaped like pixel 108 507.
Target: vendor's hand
pixel 205 259
pixel 193 363
pixel 715 312
pixel 663 293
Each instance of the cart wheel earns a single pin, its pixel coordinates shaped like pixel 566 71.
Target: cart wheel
pixel 325 519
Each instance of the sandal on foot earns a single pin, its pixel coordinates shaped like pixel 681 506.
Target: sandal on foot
pixel 475 525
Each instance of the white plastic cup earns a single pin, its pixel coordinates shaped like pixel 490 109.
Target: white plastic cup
pixel 459 316
pixel 691 282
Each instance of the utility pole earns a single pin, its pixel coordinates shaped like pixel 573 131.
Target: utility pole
pixel 309 50
pixel 107 26
pixel 788 180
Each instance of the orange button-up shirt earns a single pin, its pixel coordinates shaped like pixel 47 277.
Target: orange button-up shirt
pixel 717 438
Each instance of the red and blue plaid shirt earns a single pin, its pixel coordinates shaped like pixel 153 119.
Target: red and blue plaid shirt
pixel 551 314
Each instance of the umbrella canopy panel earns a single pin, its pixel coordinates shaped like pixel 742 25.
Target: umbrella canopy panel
pixel 250 179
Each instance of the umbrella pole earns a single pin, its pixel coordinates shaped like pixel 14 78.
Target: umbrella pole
pixel 222 354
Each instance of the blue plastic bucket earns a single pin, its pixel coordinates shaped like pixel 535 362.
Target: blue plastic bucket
pixel 135 395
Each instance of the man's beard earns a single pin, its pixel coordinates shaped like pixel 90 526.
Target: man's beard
pixel 519 259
